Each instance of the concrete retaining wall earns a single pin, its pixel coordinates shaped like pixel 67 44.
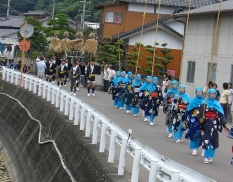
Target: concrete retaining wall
pixel 30 161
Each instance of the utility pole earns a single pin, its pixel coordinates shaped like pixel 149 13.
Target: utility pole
pixel 8 9
pixel 53 9
pixel 84 12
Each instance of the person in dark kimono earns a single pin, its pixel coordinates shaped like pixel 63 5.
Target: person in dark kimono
pixel 127 96
pixel 194 113
pixel 50 68
pixel 121 83
pixel 143 96
pixel 75 73
pixel 137 83
pixel 62 69
pixel 179 107
pixel 153 100
pixel 214 121
pixel 114 88
pixel 91 72
pixel 167 105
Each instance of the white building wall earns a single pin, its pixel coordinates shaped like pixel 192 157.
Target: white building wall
pixel 177 26
pixel 198 48
pixel 148 38
pixel 141 8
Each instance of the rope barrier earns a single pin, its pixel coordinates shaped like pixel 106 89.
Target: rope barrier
pixel 139 48
pixel 156 36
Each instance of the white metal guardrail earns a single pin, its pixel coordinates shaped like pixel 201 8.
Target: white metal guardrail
pixel 90 120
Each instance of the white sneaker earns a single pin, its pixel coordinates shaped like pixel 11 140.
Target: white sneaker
pixel 71 93
pixel 210 159
pixel 206 161
pixel 93 95
pixel 177 141
pixel 145 120
pixel 181 140
pixel 169 135
pixel 77 88
pixel 74 94
pixel 150 123
pixel 194 152
pixel 88 95
pixel 121 108
pixel 135 115
pixel 64 85
pixel 81 86
pixel 53 81
pixel 127 111
pixel 115 106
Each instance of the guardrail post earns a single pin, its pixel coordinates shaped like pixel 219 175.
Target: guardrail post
pixel 16 79
pixel 35 86
pixel 121 167
pixel 8 75
pixel 71 113
pixel 67 105
pixel 12 77
pixel 44 90
pixel 30 84
pixel 48 92
pixel 175 177
pixel 76 114
pixel 53 95
pixel 39 90
pixel 95 130
pixel 88 124
pixel 153 170
pixel 3 73
pixel 26 82
pixel 111 154
pixel 82 121
pixel 57 98
pixel 103 137
pixel 62 101
pixel 136 163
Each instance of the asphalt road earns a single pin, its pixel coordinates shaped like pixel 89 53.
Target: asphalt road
pixel 156 137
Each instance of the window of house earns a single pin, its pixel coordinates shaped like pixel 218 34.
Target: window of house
pixel 191 72
pixel 113 17
pixel 213 72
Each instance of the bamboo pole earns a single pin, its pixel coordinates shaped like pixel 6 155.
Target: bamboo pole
pixel 23 54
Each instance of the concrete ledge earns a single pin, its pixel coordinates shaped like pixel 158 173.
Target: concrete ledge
pixel 30 161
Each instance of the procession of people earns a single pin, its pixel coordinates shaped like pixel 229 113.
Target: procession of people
pixel 199 119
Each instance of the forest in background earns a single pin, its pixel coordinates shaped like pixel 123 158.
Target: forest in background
pixel 73 8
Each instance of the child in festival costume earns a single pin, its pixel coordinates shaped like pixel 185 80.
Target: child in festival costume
pixel 179 106
pixel 167 105
pixel 214 121
pixel 135 95
pixel 127 96
pixel 143 94
pixel 121 83
pixel 114 89
pixel 194 113
pixel 153 100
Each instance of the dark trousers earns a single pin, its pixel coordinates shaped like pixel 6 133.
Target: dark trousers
pixel 225 109
pixel 106 85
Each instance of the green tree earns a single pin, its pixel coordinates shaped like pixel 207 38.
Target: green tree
pixel 37 40
pixel 110 52
pixel 133 57
pixel 59 24
pixel 149 59
pixel 165 60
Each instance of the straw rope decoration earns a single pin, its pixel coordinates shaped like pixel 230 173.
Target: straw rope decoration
pixel 156 36
pixel 213 49
pixel 139 48
pixel 184 42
